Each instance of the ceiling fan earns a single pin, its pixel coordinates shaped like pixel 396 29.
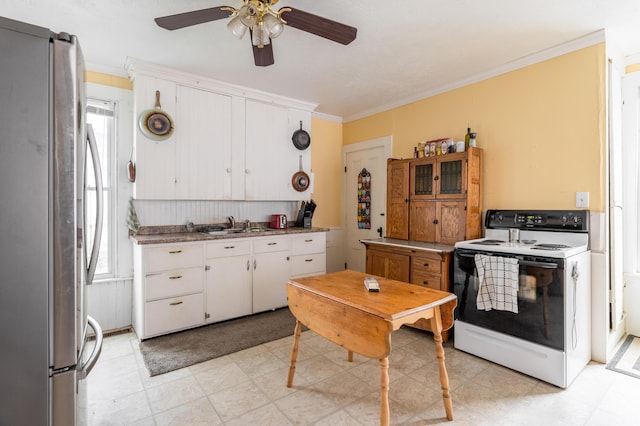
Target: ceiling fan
pixel 263 23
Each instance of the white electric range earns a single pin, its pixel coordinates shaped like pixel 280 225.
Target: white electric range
pixel 549 335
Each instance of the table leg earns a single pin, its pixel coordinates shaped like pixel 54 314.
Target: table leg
pixel 436 328
pixel 384 391
pixel 294 353
pixel 350 356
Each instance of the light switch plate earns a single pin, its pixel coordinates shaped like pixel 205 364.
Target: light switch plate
pixel 582 200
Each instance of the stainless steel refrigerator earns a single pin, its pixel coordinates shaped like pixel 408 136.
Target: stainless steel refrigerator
pixel 44 259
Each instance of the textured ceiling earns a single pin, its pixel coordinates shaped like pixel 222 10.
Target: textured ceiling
pixel 403 48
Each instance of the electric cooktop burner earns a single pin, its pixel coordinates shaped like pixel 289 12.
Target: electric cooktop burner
pixel 489 242
pixel 550 246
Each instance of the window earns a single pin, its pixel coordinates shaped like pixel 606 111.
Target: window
pixel 101 116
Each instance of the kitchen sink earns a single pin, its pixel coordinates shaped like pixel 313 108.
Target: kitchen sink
pixel 214 230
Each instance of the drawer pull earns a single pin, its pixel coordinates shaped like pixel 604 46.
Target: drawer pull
pixel 308 260
pixel 425 282
pixel 175 251
pixel 229 247
pixel 426 265
pixel 308 241
pixel 175 303
pixel 177 277
pixel 272 244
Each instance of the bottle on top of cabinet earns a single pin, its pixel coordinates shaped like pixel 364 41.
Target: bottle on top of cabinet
pixel 467 139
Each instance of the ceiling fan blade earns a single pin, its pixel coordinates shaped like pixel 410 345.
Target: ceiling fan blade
pixel 263 56
pixel 323 27
pixel 187 19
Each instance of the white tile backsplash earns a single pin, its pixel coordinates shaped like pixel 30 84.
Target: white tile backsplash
pixel 178 212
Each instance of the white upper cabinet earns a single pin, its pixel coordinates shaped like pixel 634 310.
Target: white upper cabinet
pixel 203 145
pixel 229 142
pixel 271 157
pixel 154 160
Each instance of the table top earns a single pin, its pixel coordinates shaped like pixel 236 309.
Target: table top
pixel 395 299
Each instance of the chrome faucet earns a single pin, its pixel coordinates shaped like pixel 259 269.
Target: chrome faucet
pixel 232 222
pixel 247 225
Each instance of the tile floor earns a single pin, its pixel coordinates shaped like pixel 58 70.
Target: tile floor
pixel 248 388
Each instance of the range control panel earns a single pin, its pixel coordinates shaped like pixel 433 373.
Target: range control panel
pixel 541 220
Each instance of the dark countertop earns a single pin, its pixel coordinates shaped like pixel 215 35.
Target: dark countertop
pixel 410 244
pixel 195 236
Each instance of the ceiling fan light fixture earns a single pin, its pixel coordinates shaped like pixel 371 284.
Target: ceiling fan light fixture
pixel 236 27
pixel 273 25
pixel 260 35
pixel 248 14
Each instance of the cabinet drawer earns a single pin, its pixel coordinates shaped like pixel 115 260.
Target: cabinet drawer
pixel 271 244
pixel 166 315
pixel 160 285
pixel 172 257
pixel 315 242
pixel 431 265
pixel 308 264
pixel 233 247
pixel 427 280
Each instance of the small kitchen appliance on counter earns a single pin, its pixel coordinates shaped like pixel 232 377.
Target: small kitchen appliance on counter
pixel 278 221
pixel 547 333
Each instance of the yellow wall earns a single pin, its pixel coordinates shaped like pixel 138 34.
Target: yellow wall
pixel 542 128
pixel 108 80
pixel 326 164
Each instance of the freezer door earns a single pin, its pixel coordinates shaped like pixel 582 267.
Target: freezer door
pixel 24 245
pixel 69 271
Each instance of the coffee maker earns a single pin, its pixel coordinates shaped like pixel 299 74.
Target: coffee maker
pixel 305 214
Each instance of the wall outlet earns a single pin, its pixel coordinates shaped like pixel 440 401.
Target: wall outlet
pixel 582 200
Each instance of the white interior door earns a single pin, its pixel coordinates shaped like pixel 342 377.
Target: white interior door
pixel 615 200
pixel 631 197
pixel 372 156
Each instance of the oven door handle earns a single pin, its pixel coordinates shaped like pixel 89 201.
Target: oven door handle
pixel 544 265
pixel 538 264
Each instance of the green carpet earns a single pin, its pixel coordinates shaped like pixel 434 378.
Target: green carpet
pixel 182 349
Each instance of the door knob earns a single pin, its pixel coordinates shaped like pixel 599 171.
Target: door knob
pixel 379 231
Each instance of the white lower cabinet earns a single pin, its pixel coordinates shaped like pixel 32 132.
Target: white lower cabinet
pixel 308 254
pixel 168 290
pixel 172 314
pixel 228 272
pixel 185 285
pixel 270 273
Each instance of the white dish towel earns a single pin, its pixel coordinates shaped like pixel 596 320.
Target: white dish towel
pixel 498 277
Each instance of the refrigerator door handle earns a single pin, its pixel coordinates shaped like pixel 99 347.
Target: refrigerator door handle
pixel 93 147
pixel 86 368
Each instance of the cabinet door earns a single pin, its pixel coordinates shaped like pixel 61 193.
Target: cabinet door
pixel 155 160
pixel 387 264
pixel 203 150
pixel 398 199
pixel 451 176
pixel 267 159
pixel 423 179
pixel 451 217
pixel 228 287
pixel 270 275
pixel 424 223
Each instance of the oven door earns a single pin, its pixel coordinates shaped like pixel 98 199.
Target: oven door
pixel 540 317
